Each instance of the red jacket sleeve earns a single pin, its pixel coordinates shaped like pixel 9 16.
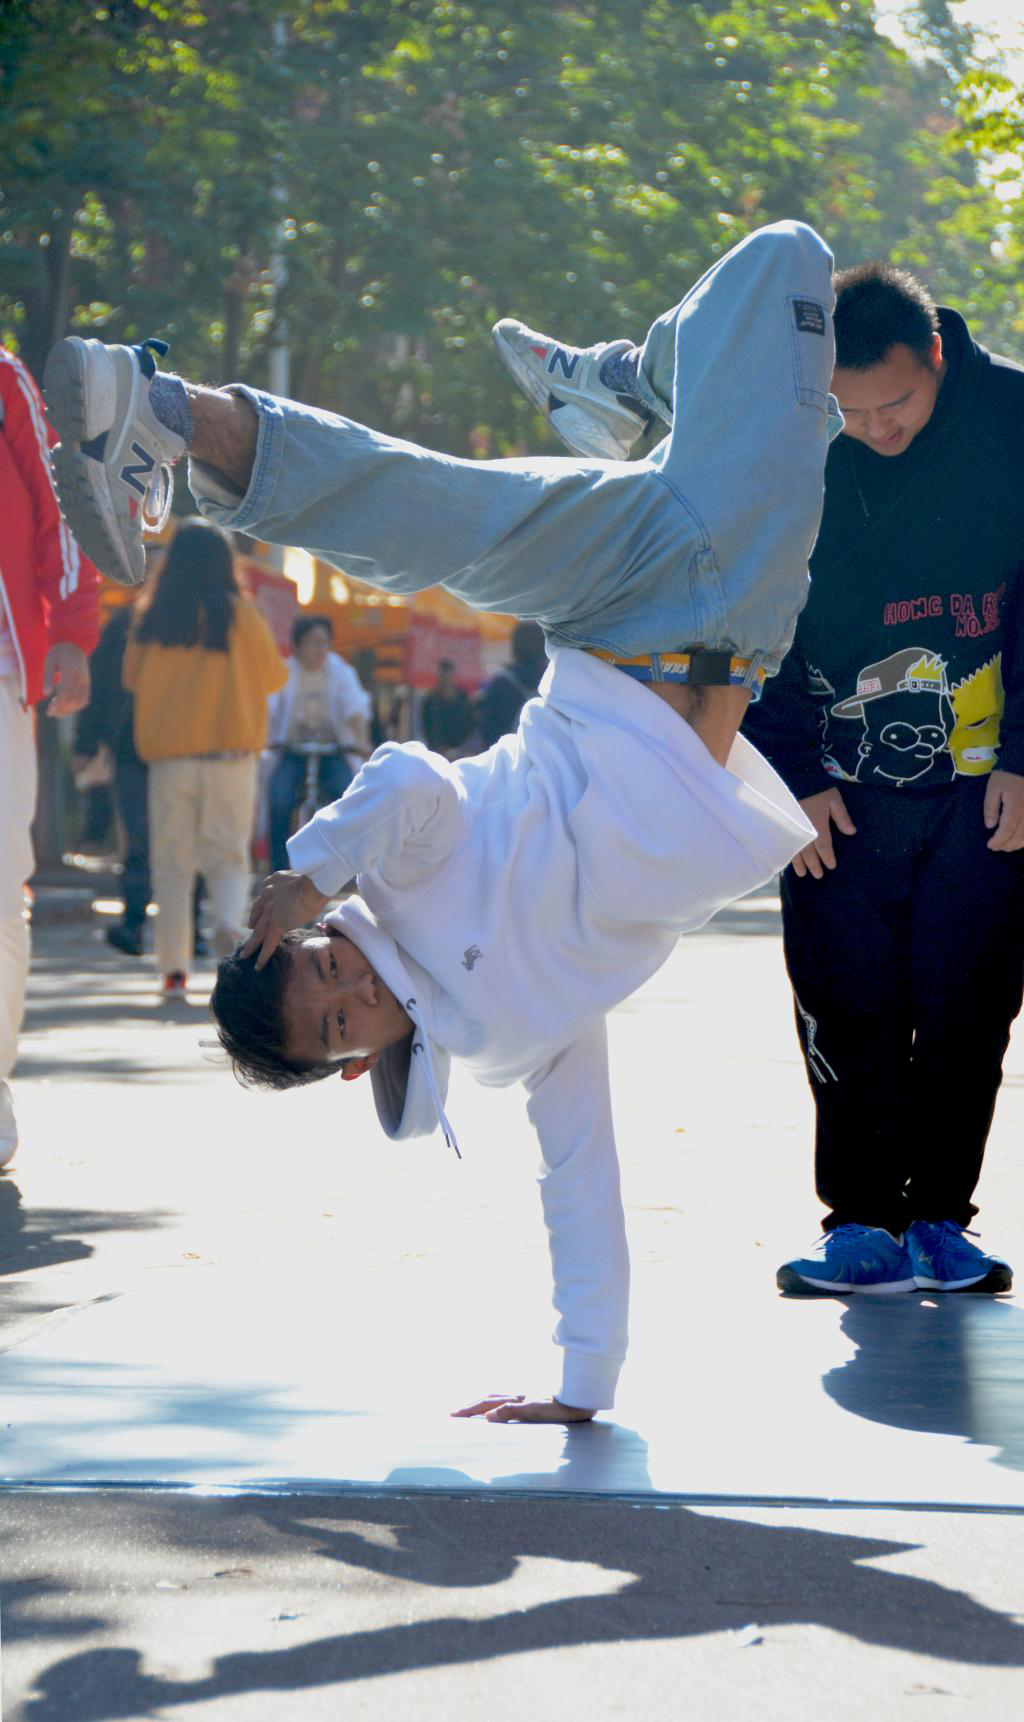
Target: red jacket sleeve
pixel 68 583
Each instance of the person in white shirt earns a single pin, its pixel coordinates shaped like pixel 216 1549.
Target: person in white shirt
pixel 323 705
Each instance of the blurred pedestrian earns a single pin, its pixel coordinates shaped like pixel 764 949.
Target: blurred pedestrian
pixel 447 714
pixel 105 728
pixel 49 597
pixel 507 692
pixel 92 780
pixel 201 662
pixel 323 705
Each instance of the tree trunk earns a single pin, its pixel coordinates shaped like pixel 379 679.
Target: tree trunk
pixel 49 306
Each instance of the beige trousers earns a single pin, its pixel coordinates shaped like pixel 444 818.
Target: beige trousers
pixel 17 808
pixel 200 821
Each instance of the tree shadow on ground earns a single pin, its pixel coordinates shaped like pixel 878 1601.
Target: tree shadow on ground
pixel 943 1365
pixel 98 1011
pixel 39 1237
pixel 190 1065
pixel 94 1004
pixel 679 1574
pixel 132 1424
pixel 33 1239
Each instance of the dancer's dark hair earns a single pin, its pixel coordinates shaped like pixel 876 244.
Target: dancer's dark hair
pixel 247 1005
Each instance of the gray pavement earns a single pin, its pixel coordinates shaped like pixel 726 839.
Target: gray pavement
pixel 147 1180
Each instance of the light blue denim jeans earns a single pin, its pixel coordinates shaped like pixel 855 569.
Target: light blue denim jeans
pixel 704 542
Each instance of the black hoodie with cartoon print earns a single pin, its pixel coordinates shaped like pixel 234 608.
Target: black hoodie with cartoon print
pixel 907 670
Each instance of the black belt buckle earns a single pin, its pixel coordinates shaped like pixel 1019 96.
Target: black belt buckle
pixel 710 669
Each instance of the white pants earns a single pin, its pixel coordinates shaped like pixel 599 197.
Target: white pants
pixel 200 821
pixel 17 809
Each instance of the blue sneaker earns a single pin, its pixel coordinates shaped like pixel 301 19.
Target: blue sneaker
pixel 850 1259
pixel 944 1259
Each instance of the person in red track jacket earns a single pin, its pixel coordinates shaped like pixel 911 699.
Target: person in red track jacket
pixel 49 615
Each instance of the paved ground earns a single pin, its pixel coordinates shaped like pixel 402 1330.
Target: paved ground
pixel 145 1170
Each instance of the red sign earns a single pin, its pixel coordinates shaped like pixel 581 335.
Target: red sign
pixel 275 597
pixel 428 642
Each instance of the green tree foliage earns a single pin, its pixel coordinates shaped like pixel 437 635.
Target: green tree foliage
pixel 991 126
pixel 423 166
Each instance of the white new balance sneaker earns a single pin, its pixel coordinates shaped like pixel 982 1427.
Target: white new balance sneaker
pixel 590 415
pixel 8 1125
pixel 111 466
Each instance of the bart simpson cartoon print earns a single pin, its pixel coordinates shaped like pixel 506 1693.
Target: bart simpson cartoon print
pixel 977 708
pixel 904 704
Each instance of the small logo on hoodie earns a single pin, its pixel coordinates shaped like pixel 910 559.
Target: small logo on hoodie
pixel 471 956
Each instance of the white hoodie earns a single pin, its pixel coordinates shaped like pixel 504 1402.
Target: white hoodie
pixel 511 900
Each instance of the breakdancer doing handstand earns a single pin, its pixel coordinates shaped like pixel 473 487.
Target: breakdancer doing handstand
pixel 506 903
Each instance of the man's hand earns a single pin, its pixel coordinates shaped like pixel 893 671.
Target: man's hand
pixel 516 1408
pixel 1004 810
pixel 66 677
pixel 824 810
pixel 285 900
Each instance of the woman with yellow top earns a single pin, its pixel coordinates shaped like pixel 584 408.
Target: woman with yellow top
pixel 201 663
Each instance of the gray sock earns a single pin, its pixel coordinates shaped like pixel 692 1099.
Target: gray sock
pixel 618 373
pixel 169 401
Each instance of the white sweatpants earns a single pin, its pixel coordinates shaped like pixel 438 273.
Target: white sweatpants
pixel 17 810
pixel 200 821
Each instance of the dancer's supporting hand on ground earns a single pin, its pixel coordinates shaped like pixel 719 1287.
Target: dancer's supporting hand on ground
pixel 516 1408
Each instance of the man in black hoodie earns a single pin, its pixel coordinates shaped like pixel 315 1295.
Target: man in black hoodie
pixel 898 722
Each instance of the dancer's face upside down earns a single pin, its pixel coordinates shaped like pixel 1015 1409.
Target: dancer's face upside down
pixel 336 1007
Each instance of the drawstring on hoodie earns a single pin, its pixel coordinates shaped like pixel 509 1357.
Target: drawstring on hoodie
pixel 421 1045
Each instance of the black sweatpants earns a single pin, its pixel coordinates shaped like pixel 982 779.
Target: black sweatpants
pixel 907 964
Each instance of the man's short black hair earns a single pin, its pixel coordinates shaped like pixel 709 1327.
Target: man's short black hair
pixel 304 625
pixel 877 307
pixel 247 1005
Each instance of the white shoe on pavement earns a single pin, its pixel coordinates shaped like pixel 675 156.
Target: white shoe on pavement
pixel 8 1125
pixel 110 467
pixel 590 415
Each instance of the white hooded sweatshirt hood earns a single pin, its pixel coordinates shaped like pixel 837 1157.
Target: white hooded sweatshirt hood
pixel 410 1080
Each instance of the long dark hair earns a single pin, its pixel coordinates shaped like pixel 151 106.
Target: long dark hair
pixel 193 600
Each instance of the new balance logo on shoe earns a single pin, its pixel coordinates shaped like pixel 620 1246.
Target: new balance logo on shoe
pixel 560 360
pixel 588 411
pixel 131 474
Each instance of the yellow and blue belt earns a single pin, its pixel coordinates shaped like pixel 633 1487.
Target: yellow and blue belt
pixel 697 669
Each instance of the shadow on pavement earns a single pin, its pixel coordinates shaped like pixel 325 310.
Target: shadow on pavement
pixel 129 1069
pixel 37 1238
pixel 949 1366
pixel 94 1002
pixel 677 1574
